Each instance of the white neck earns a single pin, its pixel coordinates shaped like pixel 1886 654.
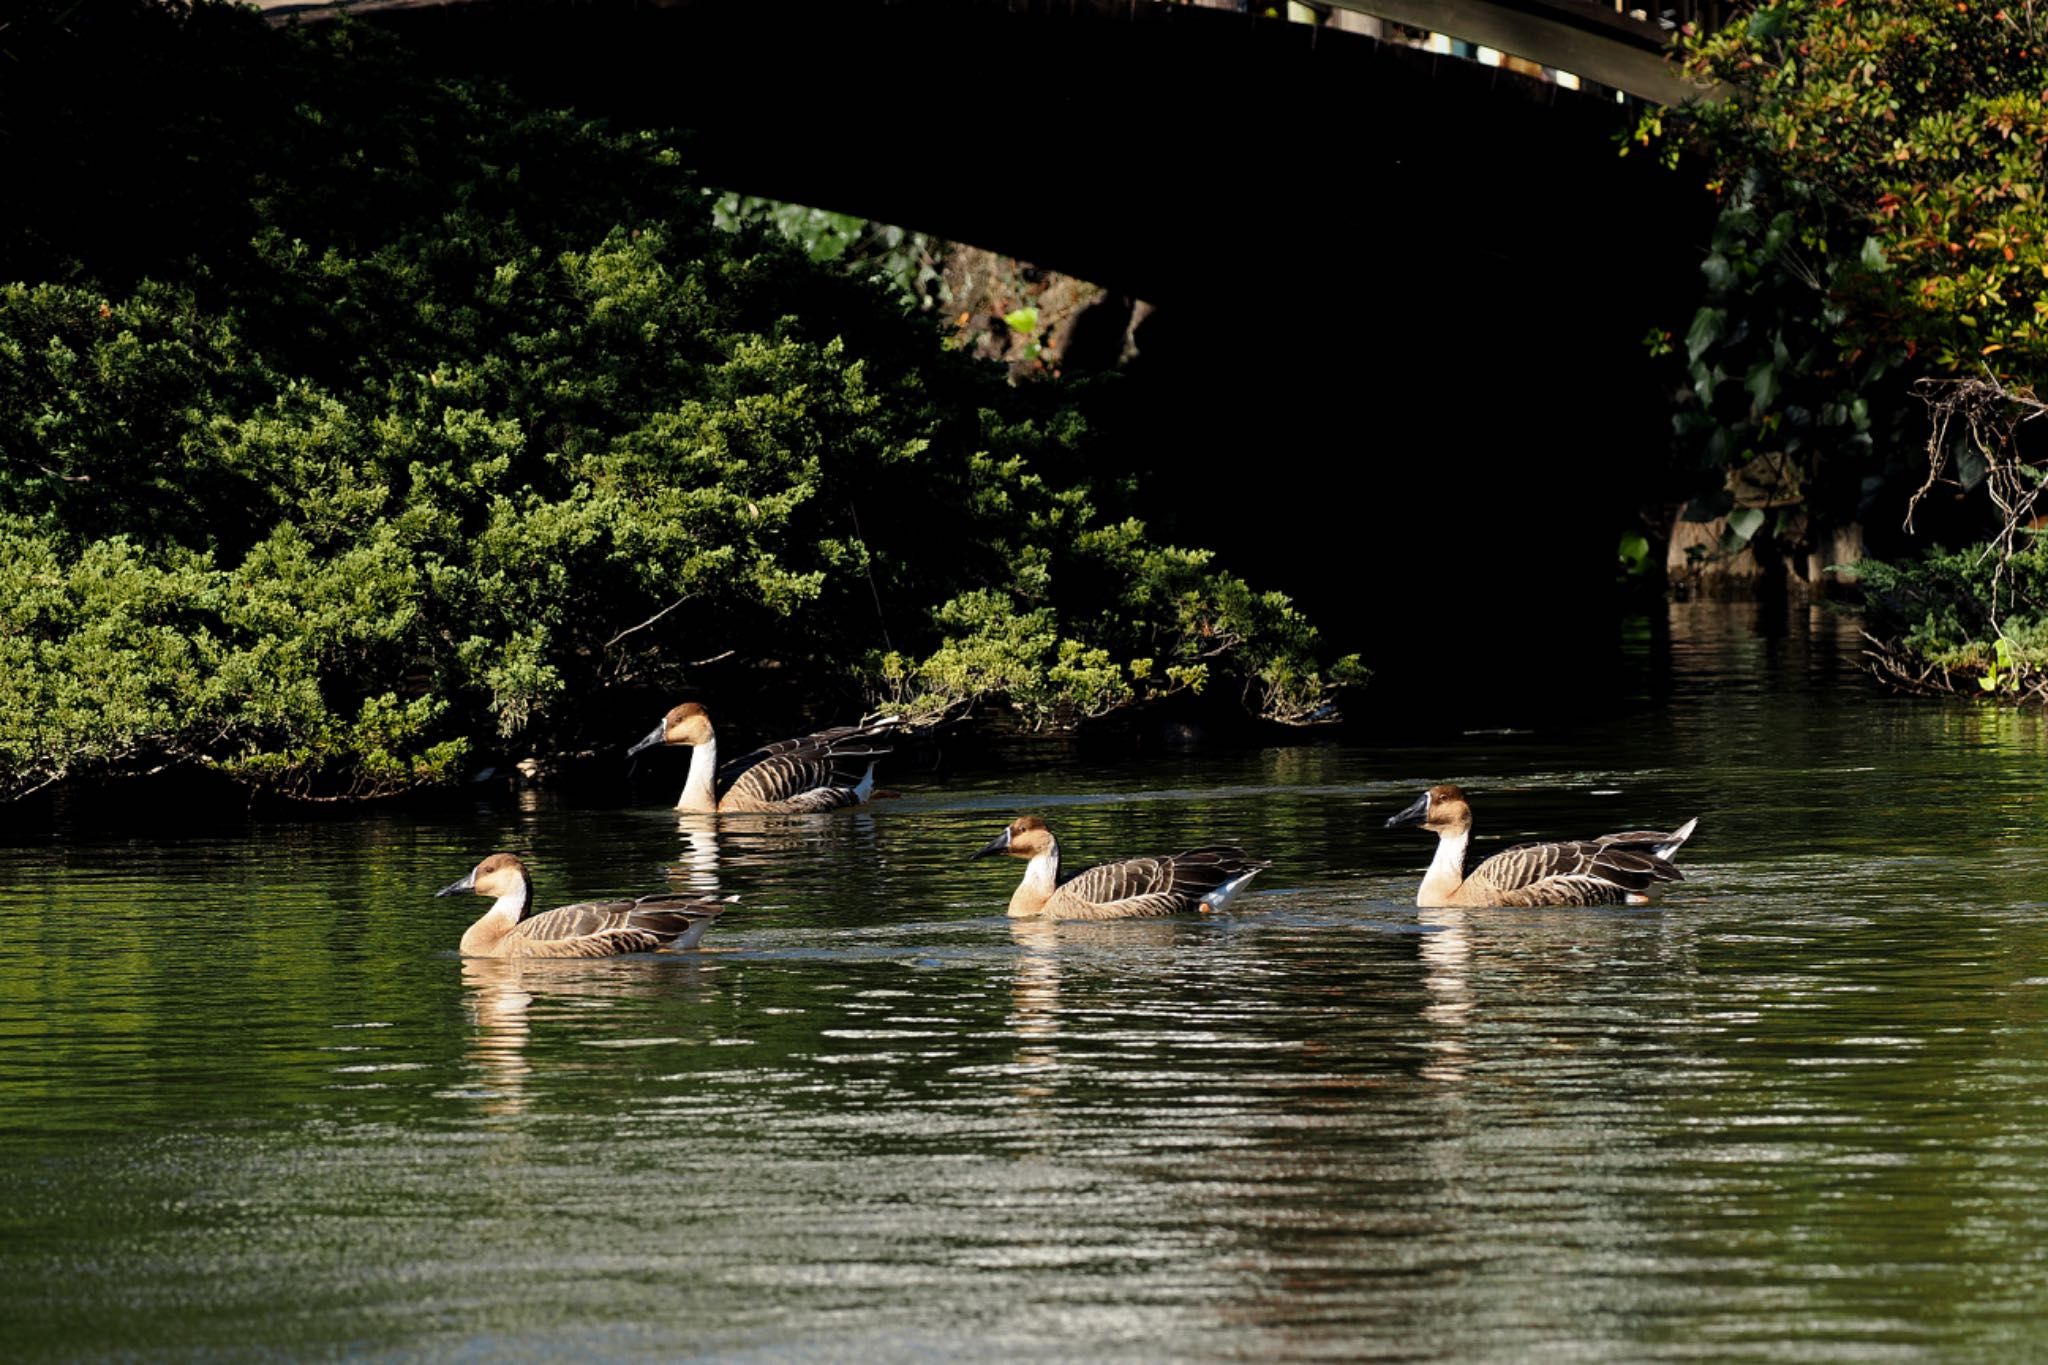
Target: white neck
pixel 1446 871
pixel 510 906
pixel 1042 874
pixel 1041 879
pixel 697 791
pixel 498 921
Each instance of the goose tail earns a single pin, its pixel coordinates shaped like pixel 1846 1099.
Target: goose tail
pixel 1677 838
pixel 1220 897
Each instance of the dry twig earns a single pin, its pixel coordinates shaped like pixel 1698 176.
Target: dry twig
pixel 1992 415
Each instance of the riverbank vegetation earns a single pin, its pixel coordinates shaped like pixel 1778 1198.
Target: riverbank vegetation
pixel 1875 324
pixel 356 428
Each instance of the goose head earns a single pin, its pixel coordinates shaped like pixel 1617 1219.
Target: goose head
pixel 1024 837
pixel 686 724
pixel 497 876
pixel 1441 810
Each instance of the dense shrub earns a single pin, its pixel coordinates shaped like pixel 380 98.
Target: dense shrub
pixel 1882 241
pixel 407 419
pixel 1881 171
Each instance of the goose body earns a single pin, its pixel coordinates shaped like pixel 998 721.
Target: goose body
pixel 1607 870
pixel 820 772
pixel 589 929
pixel 1135 888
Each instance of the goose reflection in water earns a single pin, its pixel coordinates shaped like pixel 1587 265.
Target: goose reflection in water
pixel 498 1006
pixel 696 866
pixel 1477 966
pixel 1035 1016
pixel 577 997
pixel 714 846
pixel 1446 975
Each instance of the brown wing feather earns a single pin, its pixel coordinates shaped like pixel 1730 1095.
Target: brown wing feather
pixel 660 919
pixel 784 775
pixel 1586 872
pixel 609 943
pixel 847 742
pixel 1137 888
pixel 793 782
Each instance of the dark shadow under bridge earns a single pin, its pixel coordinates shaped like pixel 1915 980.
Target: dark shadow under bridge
pixel 1396 366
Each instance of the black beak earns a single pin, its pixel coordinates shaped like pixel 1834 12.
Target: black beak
pixel 658 735
pixel 1414 815
pixel 999 844
pixel 466 884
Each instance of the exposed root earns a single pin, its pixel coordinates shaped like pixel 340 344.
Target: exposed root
pixel 1991 416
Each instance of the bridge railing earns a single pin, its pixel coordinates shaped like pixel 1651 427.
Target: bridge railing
pixel 1620 44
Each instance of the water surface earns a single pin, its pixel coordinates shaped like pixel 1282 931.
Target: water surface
pixel 251 1104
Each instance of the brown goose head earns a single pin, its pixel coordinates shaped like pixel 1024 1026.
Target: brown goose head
pixel 1024 837
pixel 1441 810
pixel 498 875
pixel 686 724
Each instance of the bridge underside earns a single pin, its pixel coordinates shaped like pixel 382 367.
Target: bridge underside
pixel 1138 146
pixel 1401 297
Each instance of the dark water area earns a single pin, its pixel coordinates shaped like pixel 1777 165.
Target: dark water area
pixel 253 1106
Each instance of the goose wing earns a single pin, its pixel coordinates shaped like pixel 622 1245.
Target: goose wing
pixel 621 926
pixel 1586 872
pixel 795 770
pixel 1139 887
pixel 606 943
pixel 1656 843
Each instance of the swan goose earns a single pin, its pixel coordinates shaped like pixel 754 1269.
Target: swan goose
pixel 1135 888
pixel 1612 869
pixel 588 929
pixel 817 772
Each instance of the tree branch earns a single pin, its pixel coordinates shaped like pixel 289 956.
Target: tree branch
pixel 649 621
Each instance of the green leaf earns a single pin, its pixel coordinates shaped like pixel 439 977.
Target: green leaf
pixel 1706 328
pixel 1024 320
pixel 1873 256
pixel 1762 383
pixel 1744 523
pixel 1780 230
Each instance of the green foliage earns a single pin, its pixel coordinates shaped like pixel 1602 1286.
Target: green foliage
pixel 1141 621
pixel 1633 554
pixel 1958 617
pixel 1907 140
pixel 2002 673
pixel 1881 171
pixel 907 261
pixel 406 420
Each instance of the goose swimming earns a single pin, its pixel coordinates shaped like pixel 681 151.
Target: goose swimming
pixel 1136 888
pixel 1608 870
pixel 589 929
pixel 814 773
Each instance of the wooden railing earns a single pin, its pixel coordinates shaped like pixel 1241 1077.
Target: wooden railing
pixel 1620 44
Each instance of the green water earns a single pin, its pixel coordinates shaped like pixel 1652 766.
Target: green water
pixel 251 1104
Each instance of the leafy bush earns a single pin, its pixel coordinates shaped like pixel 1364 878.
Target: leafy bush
pixel 418 418
pixel 1954 620
pixel 1881 171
